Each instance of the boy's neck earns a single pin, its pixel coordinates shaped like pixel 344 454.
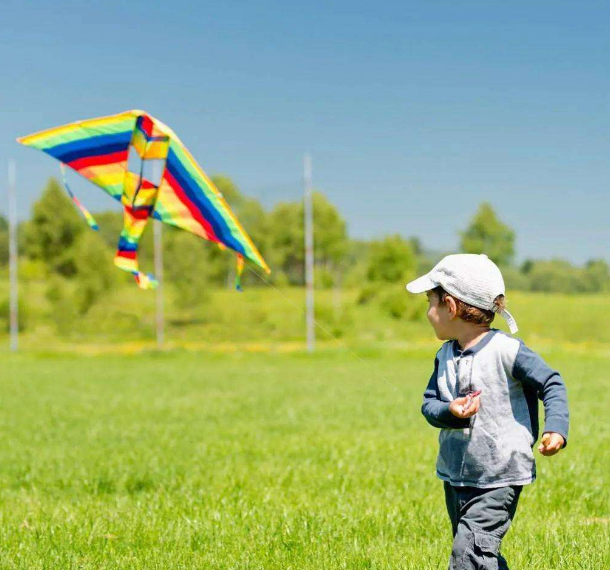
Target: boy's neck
pixel 471 335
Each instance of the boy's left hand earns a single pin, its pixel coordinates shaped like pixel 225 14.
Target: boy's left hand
pixel 551 443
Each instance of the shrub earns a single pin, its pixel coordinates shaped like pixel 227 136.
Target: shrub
pixel 23 316
pixel 398 304
pixel 392 260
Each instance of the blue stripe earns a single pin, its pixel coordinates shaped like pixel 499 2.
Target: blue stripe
pixel 91 146
pixel 126 245
pixel 202 203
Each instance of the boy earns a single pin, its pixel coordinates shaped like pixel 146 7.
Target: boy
pixel 483 395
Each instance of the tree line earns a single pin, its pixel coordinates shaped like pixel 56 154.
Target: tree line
pixel 56 245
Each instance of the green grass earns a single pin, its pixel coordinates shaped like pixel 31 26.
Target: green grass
pixel 262 461
pixel 265 318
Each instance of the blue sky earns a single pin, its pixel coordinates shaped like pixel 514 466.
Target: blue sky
pixel 414 112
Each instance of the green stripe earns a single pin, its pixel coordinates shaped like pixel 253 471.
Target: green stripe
pixel 211 195
pixel 79 132
pixel 249 251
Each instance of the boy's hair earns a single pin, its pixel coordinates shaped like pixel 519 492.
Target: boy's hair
pixel 469 313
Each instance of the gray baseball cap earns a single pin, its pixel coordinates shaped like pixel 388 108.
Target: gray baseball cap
pixel 474 279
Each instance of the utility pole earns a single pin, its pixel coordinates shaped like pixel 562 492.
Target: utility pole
pixel 309 259
pixel 12 255
pixel 158 246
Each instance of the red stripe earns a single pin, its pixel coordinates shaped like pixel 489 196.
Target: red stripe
pixel 139 214
pixel 98 160
pixel 146 125
pixel 127 254
pixel 196 213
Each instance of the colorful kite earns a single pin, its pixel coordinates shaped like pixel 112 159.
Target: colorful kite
pixel 181 195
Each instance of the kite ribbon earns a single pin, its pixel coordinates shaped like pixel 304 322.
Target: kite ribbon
pixel 240 269
pixel 90 219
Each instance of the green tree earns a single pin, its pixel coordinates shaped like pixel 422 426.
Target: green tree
pixel 286 241
pixel 487 234
pixel 95 274
pixel 286 238
pixel 53 230
pixel 554 276
pixel 391 260
pixel 188 267
pixel 596 274
pixel 110 223
pixel 229 190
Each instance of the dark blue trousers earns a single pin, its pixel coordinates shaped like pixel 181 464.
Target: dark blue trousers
pixel 480 518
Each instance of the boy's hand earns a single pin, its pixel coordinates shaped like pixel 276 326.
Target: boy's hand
pixel 465 406
pixel 551 443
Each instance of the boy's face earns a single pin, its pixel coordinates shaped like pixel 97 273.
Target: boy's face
pixel 440 317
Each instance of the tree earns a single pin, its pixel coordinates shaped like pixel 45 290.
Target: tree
pixel 554 276
pixel 597 276
pixel 487 234
pixel 391 260
pixel 188 267
pixel 560 276
pixel 95 271
pixel 53 230
pixel 110 223
pixel 286 237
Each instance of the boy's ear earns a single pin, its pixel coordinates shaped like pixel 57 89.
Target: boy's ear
pixel 451 305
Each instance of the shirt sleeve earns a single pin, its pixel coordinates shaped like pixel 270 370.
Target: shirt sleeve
pixel 532 370
pixel 435 410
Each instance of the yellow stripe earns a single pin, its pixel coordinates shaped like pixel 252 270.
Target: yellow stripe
pixel 86 123
pixel 106 175
pixel 125 263
pixel 221 199
pixel 157 150
pixel 138 141
pixel 171 206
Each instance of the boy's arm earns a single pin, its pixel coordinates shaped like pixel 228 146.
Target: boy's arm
pixel 531 369
pixel 435 410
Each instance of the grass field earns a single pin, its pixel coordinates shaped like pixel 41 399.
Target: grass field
pixel 266 319
pixel 266 461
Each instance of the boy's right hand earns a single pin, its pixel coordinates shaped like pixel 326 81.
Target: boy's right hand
pixel 465 407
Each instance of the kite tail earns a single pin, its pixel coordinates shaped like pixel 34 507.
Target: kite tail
pixel 90 219
pixel 126 257
pixel 239 271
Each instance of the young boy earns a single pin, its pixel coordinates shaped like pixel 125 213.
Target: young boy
pixel 483 395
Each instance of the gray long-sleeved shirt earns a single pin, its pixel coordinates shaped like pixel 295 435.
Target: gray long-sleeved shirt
pixel 493 448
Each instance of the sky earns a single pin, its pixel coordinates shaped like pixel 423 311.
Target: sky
pixel 413 112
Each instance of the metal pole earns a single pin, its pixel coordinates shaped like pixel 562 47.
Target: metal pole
pixel 158 246
pixel 12 255
pixel 309 259
pixel 158 239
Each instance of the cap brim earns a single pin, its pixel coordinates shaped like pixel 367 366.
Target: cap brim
pixel 421 285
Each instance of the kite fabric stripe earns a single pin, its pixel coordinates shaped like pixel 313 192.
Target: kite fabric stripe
pixel 90 219
pixel 95 148
pixel 99 150
pixel 188 189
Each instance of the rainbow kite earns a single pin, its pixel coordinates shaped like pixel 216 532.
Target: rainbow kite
pixel 182 195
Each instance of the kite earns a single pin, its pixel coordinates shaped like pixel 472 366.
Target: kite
pixel 103 150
